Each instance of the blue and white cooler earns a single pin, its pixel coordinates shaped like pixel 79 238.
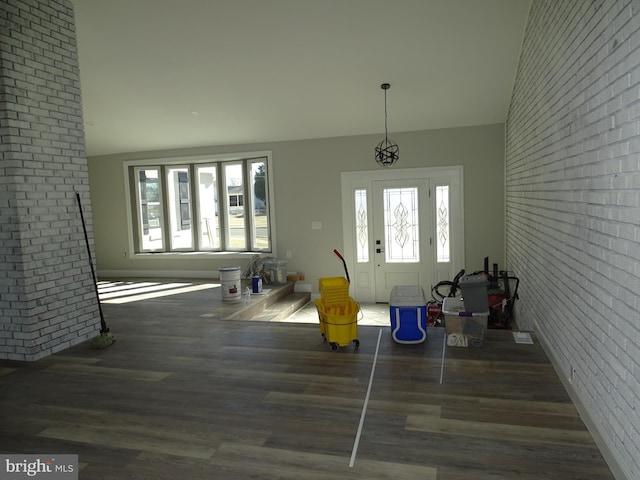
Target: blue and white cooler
pixel 408 310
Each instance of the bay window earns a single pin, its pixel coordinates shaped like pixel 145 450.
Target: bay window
pixel 207 205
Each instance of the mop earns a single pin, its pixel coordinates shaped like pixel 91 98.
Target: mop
pixel 105 338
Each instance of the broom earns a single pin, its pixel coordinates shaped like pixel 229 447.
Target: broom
pixel 105 338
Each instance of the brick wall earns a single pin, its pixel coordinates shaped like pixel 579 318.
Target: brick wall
pixel 572 205
pixel 47 300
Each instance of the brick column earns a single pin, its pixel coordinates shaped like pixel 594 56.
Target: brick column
pixel 47 299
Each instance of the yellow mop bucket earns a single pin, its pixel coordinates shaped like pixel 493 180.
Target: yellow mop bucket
pixel 339 324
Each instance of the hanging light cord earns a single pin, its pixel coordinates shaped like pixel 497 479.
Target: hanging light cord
pixel 386 133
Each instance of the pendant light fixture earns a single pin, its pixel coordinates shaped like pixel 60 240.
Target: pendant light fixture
pixel 387 152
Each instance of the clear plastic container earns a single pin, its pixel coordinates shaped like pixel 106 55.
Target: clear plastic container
pixel 277 271
pixel 464 328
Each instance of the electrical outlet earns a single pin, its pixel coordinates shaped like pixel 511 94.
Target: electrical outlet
pixel 289 254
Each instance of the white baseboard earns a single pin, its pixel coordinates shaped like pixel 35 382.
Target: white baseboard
pixel 157 274
pixel 607 449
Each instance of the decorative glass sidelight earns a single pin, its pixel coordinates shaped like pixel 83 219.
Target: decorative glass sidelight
pixel 362 227
pixel 402 242
pixel 443 251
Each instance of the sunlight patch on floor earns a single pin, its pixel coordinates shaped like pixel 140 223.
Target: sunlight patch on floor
pixel 126 292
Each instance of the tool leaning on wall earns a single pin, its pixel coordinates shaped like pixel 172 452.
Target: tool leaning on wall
pixel 105 338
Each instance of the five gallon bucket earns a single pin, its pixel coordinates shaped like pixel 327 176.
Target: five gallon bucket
pixel 230 284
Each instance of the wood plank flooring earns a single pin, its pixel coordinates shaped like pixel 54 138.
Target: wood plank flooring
pixel 183 394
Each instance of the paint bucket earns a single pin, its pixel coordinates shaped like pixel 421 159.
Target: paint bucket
pixel 230 284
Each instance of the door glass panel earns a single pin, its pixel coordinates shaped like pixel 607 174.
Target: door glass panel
pixel 362 228
pixel 401 225
pixel 234 189
pixel 149 209
pixel 179 208
pixel 442 224
pixel 208 207
pixel 259 208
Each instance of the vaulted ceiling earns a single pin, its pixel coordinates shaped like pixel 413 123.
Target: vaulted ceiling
pixel 163 74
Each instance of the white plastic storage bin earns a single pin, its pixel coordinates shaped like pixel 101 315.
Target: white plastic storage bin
pixel 408 311
pixel 464 329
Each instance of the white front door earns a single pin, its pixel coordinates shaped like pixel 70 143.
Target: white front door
pixel 397 232
pixel 401 234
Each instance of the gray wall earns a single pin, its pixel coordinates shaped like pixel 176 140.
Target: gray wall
pixel 572 206
pixel 307 188
pixel 47 297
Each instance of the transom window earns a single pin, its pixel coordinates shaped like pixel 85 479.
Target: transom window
pixel 207 205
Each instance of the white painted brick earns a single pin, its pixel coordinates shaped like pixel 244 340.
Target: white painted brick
pixel 572 180
pixel 43 158
pixel 14 356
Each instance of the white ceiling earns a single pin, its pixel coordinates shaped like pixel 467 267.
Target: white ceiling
pixel 162 74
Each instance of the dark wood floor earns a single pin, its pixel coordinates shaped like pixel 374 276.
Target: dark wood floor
pixel 183 394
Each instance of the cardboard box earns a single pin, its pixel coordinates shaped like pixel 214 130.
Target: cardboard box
pixel 464 329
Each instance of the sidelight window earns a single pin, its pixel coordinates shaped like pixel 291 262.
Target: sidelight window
pixel 362 227
pixel 443 250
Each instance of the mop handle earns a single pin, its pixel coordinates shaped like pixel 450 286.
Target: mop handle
pixel 346 272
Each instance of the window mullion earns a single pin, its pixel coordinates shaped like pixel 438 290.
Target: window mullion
pixel 222 206
pixel 196 228
pixel 165 207
pixel 248 217
pixel 136 218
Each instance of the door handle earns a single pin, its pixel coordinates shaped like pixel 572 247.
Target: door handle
pixel 379 250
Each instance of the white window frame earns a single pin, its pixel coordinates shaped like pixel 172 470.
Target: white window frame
pixel 131 203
